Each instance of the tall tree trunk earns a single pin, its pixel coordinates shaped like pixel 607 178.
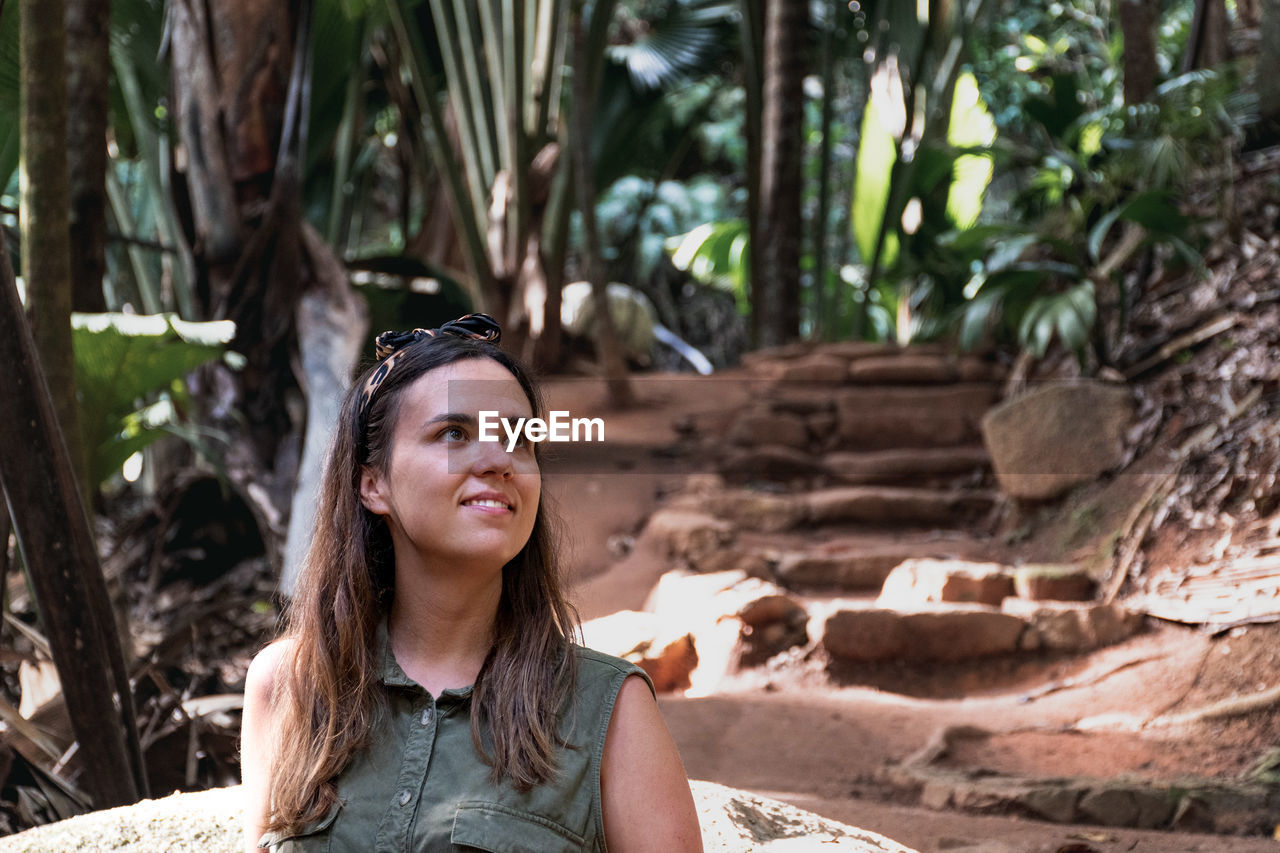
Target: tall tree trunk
pixel 241 83
pixel 822 297
pixel 751 32
pixel 45 237
pixel 43 497
pixel 1268 80
pixel 781 161
pixel 1138 24
pixel 88 61
pixel 608 347
pixel 1207 44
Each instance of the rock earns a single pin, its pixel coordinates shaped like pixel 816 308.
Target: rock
pixel 734 821
pixel 1037 446
pixel 624 634
pixel 750 563
pixel 896 505
pixel 904 368
pixel 211 822
pixel 1053 582
pixel 672 666
pixel 855 569
pixel 769 463
pixel 759 511
pixel 1051 802
pixel 1062 626
pixel 852 350
pixel 1144 808
pixel 771 624
pixel 951 635
pixel 634 635
pixel 769 359
pixel 905 466
pixel 687 534
pixel 773 428
pixel 874 418
pixel 925 581
pixel 965 845
pixel 938 635
pixel 709 607
pixel 770 608
pixel 822 426
pixel 864 635
pixel 820 367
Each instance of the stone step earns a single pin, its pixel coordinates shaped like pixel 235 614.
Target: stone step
pixel 770 512
pixel 953 632
pixel 900 466
pixel 921 368
pixel 895 505
pixel 879 418
pixel 857 565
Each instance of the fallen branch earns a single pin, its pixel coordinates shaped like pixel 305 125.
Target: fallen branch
pixel 1236 706
pixel 1173 347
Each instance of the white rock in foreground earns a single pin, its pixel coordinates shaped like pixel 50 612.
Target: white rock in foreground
pixel 209 822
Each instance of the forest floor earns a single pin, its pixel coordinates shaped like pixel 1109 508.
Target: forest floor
pixel 794 733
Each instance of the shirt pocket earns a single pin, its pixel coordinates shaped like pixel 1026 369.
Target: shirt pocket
pixel 496 828
pixel 312 838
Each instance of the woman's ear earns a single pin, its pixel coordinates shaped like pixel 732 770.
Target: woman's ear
pixel 372 486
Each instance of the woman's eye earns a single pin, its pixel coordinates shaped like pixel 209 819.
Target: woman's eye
pixel 454 433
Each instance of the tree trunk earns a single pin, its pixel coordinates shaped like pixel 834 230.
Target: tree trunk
pixel 608 347
pixel 88 62
pixel 1268 81
pixel 751 31
pixel 823 299
pixel 1138 20
pixel 1207 44
pixel 44 205
pixel 43 497
pixel 781 161
pixel 240 79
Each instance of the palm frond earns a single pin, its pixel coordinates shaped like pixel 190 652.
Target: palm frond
pixel 676 45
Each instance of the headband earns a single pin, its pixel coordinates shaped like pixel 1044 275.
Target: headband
pixel 391 345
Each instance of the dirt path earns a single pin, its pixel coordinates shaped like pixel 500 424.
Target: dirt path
pixel 795 735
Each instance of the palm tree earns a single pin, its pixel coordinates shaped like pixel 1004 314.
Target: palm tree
pixel 776 288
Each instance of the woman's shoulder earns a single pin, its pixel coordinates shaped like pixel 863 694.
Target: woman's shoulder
pixel 596 667
pixel 267 669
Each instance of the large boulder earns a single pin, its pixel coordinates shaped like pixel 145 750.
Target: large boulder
pixel 210 822
pixel 1056 436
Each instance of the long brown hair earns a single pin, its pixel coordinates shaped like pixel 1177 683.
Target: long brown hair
pixel 332 693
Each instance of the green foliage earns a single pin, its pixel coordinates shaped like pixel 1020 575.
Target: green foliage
pixel 9 70
pixel 716 253
pixel 129 375
pixel 638 216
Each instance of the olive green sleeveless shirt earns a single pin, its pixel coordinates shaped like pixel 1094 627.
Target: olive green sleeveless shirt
pixel 420 785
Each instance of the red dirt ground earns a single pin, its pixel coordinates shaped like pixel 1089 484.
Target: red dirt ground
pixel 791 733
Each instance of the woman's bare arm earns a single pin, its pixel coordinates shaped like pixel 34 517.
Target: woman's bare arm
pixel 256 738
pixel 645 794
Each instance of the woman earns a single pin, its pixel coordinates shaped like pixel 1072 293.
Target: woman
pixel 426 694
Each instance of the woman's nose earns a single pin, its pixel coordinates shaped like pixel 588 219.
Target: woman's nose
pixel 491 457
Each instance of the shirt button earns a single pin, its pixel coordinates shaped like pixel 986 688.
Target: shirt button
pixel 426 716
pixel 405 796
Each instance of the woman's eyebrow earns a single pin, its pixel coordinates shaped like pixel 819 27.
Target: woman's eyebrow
pixel 451 418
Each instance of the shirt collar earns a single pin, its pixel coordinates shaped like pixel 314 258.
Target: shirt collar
pixel 393 676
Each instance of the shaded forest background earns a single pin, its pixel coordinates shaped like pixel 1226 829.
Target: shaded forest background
pixel 207 206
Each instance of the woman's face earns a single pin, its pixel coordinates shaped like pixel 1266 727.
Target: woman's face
pixel 452 501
